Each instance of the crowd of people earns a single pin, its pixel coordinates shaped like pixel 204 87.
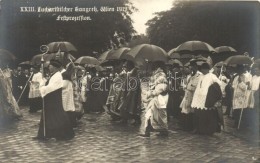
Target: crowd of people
pixel 194 95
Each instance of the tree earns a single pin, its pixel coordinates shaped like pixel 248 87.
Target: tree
pixel 23 33
pixel 218 23
pixel 137 40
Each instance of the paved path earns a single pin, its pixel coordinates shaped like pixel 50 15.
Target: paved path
pixel 99 140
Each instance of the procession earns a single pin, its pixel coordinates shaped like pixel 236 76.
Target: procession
pixel 143 86
pixel 136 81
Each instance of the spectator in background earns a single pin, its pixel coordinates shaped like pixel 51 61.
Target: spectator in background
pixel 176 92
pixel 187 111
pixel 35 99
pixel 254 102
pixel 9 109
pixel 78 101
pixel 115 96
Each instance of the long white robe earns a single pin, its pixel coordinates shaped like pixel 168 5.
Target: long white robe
pixel 67 96
pixel 55 83
pixel 241 91
pixel 200 94
pixel 189 92
pixel 35 85
pixel 155 101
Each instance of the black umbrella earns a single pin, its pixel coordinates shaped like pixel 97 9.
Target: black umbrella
pixel 225 49
pixel 36 60
pixel 25 64
pixel 99 68
pixel 174 62
pixel 60 56
pixel 61 46
pixel 115 54
pixel 198 59
pixel 111 55
pixel 143 53
pixel 195 47
pixel 173 54
pixel 6 55
pixel 238 59
pixel 219 64
pixel 88 61
pixel 103 56
pixel 186 64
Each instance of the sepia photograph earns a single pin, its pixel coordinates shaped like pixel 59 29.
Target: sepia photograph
pixel 113 81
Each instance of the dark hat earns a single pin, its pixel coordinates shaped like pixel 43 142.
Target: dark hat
pixel 55 63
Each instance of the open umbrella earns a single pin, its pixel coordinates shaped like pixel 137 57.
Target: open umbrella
pixel 186 64
pixel 174 62
pixel 173 54
pixel 6 55
pixel 25 64
pixel 117 53
pixel 99 68
pixel 195 47
pixel 225 49
pixel 198 59
pixel 63 57
pixel 219 64
pixel 143 53
pixel 184 58
pixel 222 53
pixel 87 60
pixel 36 60
pixel 238 59
pixel 103 56
pixel 114 54
pixel 61 46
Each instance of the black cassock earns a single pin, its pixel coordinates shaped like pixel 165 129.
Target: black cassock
pixel 57 121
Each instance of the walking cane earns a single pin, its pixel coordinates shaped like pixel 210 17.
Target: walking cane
pixel 24 88
pixel 43 108
pixel 240 117
pixel 220 78
pixel 44 49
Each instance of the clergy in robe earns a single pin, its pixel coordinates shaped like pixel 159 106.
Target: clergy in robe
pixel 206 100
pixel 154 114
pixel 57 123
